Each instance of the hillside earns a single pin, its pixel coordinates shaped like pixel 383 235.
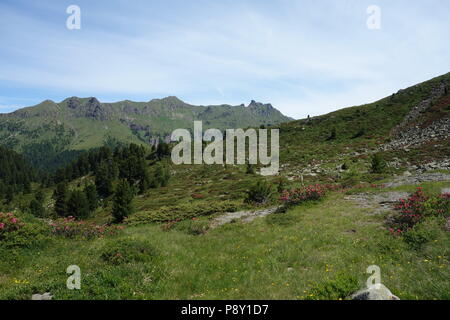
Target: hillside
pixel 50 134
pixel 341 203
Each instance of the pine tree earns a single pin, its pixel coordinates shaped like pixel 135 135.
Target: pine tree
pixel 104 179
pixel 60 196
pixel 77 205
pixel 36 208
pixel 91 196
pixel 161 176
pixel 122 206
pixel 40 196
pixel 162 150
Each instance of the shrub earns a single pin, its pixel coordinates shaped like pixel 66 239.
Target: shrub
pixel 183 211
pixel 281 184
pixel 309 193
pixel 128 251
pixel 15 232
pixel 250 169
pixel 193 226
pixel 70 228
pixel 411 210
pixel 259 192
pixel 341 287
pixel 161 176
pixel 418 207
pixel 332 135
pixel 421 233
pixel 350 178
pixel 378 164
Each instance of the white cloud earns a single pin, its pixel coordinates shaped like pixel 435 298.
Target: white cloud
pixel 303 57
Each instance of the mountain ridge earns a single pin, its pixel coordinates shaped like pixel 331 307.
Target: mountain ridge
pixel 50 128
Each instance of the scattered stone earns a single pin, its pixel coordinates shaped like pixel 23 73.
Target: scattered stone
pixel 417 179
pixel 381 202
pixel 374 292
pixel 246 216
pixel 407 135
pixel 45 296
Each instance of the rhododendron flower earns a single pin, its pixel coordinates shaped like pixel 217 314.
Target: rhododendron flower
pixel 2 225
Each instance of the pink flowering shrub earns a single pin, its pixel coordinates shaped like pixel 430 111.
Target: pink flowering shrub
pixel 17 233
pixel 9 223
pixel 71 228
pixel 296 196
pixel 417 207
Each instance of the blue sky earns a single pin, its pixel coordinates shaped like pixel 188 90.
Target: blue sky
pixel 304 57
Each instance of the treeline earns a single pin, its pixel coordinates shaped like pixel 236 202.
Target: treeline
pixel 16 174
pixel 122 172
pixel 124 162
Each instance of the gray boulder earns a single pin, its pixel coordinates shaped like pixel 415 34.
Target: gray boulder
pixel 374 292
pixel 45 296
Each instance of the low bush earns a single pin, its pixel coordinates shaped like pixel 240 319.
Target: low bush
pixel 420 218
pixel 297 196
pixel 183 212
pixel 378 164
pixel 417 207
pixel 259 192
pixel 422 233
pixel 17 232
pixel 341 287
pixel 128 251
pixel 192 227
pixel 71 228
pixel 351 177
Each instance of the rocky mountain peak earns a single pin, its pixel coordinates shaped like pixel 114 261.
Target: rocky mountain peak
pixel 254 104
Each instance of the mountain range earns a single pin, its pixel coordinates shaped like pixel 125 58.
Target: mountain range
pixel 50 133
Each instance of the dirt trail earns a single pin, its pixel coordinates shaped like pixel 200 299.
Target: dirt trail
pixel 385 201
pixel 246 216
pixel 381 202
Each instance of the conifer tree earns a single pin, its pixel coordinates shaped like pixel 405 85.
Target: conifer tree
pixel 91 196
pixel 77 204
pixel 60 195
pixel 122 206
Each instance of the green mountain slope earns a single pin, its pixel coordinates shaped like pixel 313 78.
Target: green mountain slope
pixel 51 133
pixel 368 127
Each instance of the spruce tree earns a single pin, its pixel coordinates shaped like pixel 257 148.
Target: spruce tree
pixel 122 206
pixel 36 208
pixel 77 204
pixel 162 150
pixel 60 196
pixel 104 179
pixel 161 176
pixel 91 196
